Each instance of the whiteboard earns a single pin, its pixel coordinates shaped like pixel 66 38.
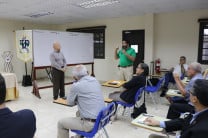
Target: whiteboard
pixel 76 47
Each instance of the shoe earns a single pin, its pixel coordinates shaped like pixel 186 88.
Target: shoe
pixel 77 136
pixel 55 98
pixel 164 90
pixel 163 93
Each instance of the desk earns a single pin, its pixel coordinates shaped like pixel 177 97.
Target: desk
pixel 61 101
pixel 173 93
pixel 139 122
pixel 114 83
pixel 12 91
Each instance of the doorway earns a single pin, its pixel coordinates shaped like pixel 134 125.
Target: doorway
pixel 136 41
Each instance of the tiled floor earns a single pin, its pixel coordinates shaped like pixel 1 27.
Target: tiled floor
pixel 47 114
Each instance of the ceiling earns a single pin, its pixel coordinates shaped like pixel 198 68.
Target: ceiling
pixel 67 11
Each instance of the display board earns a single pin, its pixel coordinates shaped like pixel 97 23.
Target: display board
pixel 76 47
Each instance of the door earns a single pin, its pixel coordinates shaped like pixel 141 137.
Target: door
pixel 136 41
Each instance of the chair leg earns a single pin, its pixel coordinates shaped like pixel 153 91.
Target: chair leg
pixel 153 99
pixel 107 136
pixel 124 110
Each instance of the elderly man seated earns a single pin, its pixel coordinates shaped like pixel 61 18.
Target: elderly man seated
pixel 193 125
pixel 87 95
pixel 181 105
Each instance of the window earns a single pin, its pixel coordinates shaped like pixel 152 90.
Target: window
pixel 203 41
pixel 99 39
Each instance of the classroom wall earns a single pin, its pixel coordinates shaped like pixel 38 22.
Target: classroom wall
pixel 7 43
pixel 167 36
pixel 106 69
pixel 177 34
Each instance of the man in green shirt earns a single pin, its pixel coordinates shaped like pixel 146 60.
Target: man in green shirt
pixel 126 58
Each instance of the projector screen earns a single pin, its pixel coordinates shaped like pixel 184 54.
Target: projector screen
pixel 76 47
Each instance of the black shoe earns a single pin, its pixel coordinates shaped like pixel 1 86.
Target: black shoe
pixel 55 98
pixel 163 93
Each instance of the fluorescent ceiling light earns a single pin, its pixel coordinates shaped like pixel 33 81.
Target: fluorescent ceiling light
pixel 97 3
pixel 41 14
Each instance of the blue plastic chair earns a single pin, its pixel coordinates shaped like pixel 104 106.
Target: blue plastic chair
pixel 136 98
pixel 102 120
pixel 154 89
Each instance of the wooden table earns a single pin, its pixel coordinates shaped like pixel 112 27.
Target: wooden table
pixel 12 91
pixel 114 83
pixel 61 101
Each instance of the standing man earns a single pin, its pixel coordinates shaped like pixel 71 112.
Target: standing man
pixel 126 58
pixel 58 64
pixel 87 95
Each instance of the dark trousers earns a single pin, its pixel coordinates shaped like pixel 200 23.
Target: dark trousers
pixel 169 78
pixel 176 109
pixel 58 83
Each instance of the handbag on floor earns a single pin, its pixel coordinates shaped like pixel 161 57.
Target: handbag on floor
pixel 139 110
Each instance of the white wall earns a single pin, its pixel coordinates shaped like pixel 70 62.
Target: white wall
pixel 7 43
pixel 167 36
pixel 177 34
pixel 106 69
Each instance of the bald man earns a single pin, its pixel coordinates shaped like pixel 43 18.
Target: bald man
pixel 58 64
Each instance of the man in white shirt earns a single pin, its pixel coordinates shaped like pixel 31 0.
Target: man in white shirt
pixel 179 69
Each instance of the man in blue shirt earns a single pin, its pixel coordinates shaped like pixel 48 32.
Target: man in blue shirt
pixel 87 95
pixel 20 124
pixel 182 105
pixel 192 126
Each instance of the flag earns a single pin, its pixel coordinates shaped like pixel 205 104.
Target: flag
pixel 24 45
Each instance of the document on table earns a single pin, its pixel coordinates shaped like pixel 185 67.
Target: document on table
pixel 139 121
pixel 173 93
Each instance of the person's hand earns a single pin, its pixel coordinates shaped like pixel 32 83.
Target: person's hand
pixel 117 50
pixel 151 122
pixel 176 75
pixel 63 69
pixel 124 51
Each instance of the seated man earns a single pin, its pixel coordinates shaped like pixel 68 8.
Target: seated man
pixel 192 126
pixel 132 86
pixel 87 95
pixel 181 105
pixel 20 124
pixel 179 69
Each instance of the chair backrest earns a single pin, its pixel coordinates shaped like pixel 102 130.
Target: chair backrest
pixel 138 94
pixel 103 117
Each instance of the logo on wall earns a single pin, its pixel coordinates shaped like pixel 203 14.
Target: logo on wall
pixel 24 45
